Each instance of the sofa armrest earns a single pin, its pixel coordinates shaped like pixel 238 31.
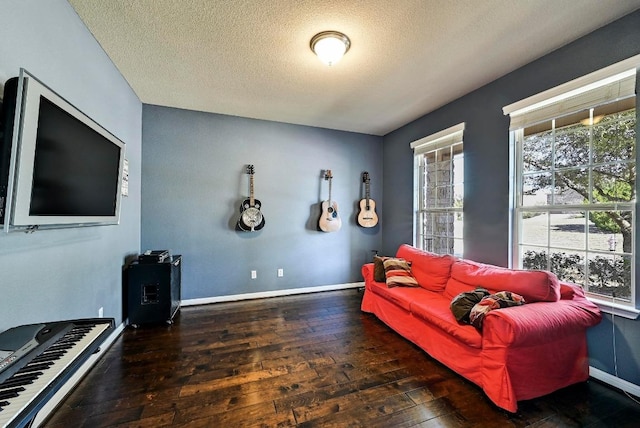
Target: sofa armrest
pixel 538 323
pixel 367 273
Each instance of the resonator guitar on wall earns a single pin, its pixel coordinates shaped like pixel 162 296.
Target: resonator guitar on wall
pixel 251 218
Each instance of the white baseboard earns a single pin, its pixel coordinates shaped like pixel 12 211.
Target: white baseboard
pixel 614 381
pixel 265 294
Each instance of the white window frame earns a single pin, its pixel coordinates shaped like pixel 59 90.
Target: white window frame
pixel 608 84
pixel 440 141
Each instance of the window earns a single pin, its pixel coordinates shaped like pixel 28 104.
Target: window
pixel 439 191
pixel 575 184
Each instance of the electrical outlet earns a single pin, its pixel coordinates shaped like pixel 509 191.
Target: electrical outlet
pixel 101 312
pixel 280 273
pixel 254 274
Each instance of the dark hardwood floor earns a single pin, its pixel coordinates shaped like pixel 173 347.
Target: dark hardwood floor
pixel 310 361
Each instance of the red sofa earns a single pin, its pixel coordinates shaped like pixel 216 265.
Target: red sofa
pixel 521 352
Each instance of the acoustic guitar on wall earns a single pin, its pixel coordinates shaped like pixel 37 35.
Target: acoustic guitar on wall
pixel 367 216
pixel 329 220
pixel 251 218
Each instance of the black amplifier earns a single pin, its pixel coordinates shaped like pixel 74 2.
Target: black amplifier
pixel 155 256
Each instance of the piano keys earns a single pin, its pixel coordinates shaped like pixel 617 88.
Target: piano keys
pixel 37 359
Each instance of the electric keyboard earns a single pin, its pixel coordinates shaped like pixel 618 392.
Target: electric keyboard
pixel 37 359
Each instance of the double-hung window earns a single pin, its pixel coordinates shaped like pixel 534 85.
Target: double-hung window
pixel 439 191
pixel 575 182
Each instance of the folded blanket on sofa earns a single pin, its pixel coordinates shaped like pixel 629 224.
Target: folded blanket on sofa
pixel 502 299
pixel 462 304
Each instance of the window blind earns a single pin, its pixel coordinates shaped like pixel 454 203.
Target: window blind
pixel 607 85
pixel 444 138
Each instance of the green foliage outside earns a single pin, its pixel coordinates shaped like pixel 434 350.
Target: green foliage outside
pixel 607 276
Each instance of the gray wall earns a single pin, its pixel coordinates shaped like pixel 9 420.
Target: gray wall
pixel 486 148
pixel 65 274
pixel 194 180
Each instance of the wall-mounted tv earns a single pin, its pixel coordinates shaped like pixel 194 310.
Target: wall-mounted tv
pixel 58 168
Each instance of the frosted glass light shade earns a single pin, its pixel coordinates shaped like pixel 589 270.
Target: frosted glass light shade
pixel 330 46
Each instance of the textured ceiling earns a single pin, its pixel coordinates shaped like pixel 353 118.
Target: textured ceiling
pixel 251 58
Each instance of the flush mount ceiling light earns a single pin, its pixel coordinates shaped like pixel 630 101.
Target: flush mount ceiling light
pixel 330 46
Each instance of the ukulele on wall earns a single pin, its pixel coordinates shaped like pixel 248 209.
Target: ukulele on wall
pixel 367 216
pixel 251 219
pixel 329 220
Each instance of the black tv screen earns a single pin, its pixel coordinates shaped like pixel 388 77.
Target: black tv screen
pixel 75 171
pixel 64 169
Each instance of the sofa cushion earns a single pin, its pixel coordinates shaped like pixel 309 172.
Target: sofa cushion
pixel 398 273
pixel 436 312
pixel 533 285
pixel 569 291
pixel 430 270
pixel 455 288
pixel 400 296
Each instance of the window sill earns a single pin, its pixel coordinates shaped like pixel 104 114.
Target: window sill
pixel 616 309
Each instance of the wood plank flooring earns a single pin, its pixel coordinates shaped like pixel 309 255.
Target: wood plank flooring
pixel 308 361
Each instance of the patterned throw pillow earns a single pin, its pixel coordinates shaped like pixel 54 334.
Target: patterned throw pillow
pixel 398 273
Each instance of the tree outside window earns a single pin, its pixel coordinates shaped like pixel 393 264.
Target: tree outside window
pixel 576 199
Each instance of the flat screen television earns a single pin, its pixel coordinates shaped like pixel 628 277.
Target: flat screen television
pixel 58 167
